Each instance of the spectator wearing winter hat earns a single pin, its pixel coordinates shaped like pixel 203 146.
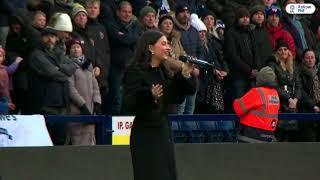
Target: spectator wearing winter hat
pixel 79 16
pixel 289 85
pixel 49 76
pixel 262 38
pixel 85 98
pixel 297 26
pixel 61 22
pixel 209 101
pixel 147 18
pixel 209 19
pixel 243 59
pixel 276 30
pixel 191 44
pixel 259 127
pixel 100 37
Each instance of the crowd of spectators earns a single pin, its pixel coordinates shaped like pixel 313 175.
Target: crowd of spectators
pixel 69 56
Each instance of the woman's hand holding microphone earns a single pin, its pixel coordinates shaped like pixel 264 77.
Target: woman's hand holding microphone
pixel 188 68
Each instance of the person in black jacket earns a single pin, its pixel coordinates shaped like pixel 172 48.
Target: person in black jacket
pixel 49 72
pixel 148 90
pixel 123 33
pixel 310 95
pixel 21 41
pixel 49 85
pixel 262 38
pixel 241 54
pixel 100 37
pixel 209 98
pixel 289 88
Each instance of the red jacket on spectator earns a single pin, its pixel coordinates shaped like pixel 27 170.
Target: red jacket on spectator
pixel 277 33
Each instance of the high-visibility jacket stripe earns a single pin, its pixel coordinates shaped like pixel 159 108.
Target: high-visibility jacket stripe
pixel 259 108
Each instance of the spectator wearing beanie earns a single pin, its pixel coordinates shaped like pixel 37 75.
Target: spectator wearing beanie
pixel 209 101
pixel 191 44
pixel 148 18
pixel 298 27
pixel 289 86
pixel 61 22
pixel 49 84
pixel 124 34
pixel 276 30
pixel 209 19
pixel 256 128
pixel 79 16
pixel 262 39
pixel 85 98
pixel 98 33
pixel 241 53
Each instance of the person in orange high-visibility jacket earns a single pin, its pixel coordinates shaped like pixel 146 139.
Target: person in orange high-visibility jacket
pixel 258 109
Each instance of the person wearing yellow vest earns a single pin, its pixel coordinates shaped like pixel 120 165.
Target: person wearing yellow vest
pixel 258 109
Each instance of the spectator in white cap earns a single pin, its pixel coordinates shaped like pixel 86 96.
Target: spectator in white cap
pixel 61 22
pixel 210 78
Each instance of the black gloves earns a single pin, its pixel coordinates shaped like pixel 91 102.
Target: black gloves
pixel 84 110
pixel 97 109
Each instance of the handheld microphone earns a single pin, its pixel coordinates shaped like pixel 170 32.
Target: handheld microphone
pixel 194 60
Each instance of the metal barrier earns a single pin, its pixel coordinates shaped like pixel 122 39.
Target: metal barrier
pixel 104 122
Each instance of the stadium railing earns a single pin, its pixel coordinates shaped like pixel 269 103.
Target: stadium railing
pixel 183 132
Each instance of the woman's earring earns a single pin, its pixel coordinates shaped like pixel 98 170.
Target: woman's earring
pixel 152 52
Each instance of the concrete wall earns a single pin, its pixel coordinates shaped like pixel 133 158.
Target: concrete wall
pixel 286 161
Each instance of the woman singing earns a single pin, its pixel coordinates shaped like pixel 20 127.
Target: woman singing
pixel 148 90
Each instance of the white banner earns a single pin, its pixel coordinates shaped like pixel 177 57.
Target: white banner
pixel 121 126
pixel 23 131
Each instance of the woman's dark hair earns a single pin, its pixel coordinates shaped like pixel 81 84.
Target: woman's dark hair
pixel 314 52
pixel 307 50
pixel 142 55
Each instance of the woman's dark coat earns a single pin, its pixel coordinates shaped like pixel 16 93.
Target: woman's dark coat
pixel 151 144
